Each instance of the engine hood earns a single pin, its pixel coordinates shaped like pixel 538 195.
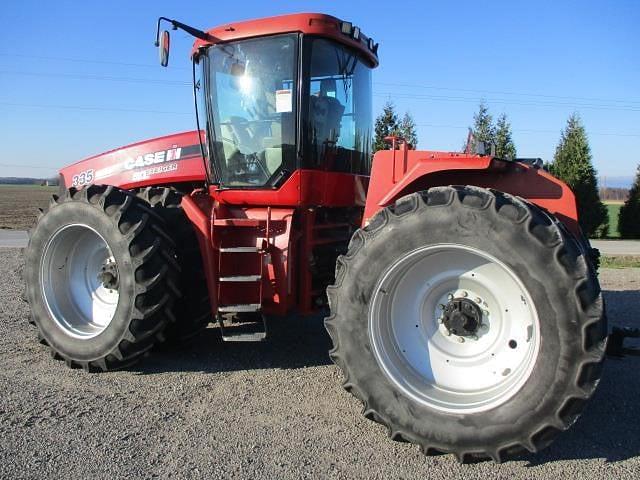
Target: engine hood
pixel 170 159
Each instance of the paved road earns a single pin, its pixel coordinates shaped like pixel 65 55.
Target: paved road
pixel 270 410
pixel 13 238
pixel 18 238
pixel 617 247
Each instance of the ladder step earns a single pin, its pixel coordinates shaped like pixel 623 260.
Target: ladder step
pixel 243 337
pixel 238 222
pixel 248 331
pixel 239 250
pixel 247 307
pixel 241 278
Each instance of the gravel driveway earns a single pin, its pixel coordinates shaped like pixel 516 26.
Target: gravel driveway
pixel 270 410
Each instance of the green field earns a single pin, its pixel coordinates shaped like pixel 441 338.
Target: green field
pixel 620 261
pixel 613 209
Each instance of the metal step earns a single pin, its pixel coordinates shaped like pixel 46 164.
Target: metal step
pixel 239 250
pixel 228 336
pixel 238 222
pixel 247 307
pixel 615 344
pixel 243 332
pixel 241 278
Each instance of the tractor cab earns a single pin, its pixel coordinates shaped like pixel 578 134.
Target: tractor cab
pixel 284 94
pixel 285 123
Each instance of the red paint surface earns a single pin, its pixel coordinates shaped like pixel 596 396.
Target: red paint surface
pixel 112 163
pixel 308 23
pixel 400 172
pixel 239 217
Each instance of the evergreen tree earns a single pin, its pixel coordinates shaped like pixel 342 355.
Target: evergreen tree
pixel 483 130
pixel 386 124
pixel 505 148
pixel 407 130
pixel 572 164
pixel 629 216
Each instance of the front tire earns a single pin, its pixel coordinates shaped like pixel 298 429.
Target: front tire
pixel 192 310
pixel 101 278
pixel 518 368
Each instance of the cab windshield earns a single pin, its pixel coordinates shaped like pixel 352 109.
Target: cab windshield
pixel 252 88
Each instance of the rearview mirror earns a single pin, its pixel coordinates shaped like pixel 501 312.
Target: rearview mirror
pixel 163 48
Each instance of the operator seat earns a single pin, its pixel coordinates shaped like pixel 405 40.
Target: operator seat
pixel 326 117
pixel 328 92
pixel 237 130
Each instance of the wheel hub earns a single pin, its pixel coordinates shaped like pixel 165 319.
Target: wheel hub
pixel 454 328
pixel 108 275
pixel 462 317
pixel 80 280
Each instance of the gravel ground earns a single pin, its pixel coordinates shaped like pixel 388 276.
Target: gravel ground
pixel 272 410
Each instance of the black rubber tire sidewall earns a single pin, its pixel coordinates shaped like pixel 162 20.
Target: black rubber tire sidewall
pixel 69 213
pixel 551 286
pixel 193 310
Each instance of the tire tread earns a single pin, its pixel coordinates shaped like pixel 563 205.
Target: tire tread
pixel 565 250
pixel 153 278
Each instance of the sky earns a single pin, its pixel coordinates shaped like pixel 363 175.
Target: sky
pixel 79 78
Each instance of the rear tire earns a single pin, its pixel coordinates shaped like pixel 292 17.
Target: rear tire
pixel 101 278
pixel 192 310
pixel 428 405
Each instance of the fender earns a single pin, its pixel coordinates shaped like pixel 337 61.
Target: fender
pixel 164 160
pixel 396 173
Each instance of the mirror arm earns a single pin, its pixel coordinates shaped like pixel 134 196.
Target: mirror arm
pixel 179 25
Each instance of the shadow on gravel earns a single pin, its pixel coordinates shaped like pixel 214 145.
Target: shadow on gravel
pixel 293 342
pixel 609 427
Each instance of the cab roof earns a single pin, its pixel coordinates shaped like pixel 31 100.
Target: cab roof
pixel 308 23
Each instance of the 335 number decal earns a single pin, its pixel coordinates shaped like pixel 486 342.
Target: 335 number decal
pixel 82 178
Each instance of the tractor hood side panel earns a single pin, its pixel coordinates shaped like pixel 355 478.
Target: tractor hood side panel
pixel 165 160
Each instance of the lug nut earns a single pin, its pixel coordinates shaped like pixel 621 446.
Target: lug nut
pixel 447 333
pixel 441 306
pixel 464 294
pixel 450 296
pixel 460 340
pixel 486 312
pixel 440 320
pixel 478 300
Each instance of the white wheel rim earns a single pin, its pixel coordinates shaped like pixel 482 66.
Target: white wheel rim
pixel 73 282
pixel 420 355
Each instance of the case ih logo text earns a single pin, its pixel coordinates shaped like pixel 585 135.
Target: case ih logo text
pixel 153 158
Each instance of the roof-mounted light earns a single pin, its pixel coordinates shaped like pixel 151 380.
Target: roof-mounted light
pixel 348 28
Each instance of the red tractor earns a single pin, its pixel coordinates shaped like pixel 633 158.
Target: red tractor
pixel 464 305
